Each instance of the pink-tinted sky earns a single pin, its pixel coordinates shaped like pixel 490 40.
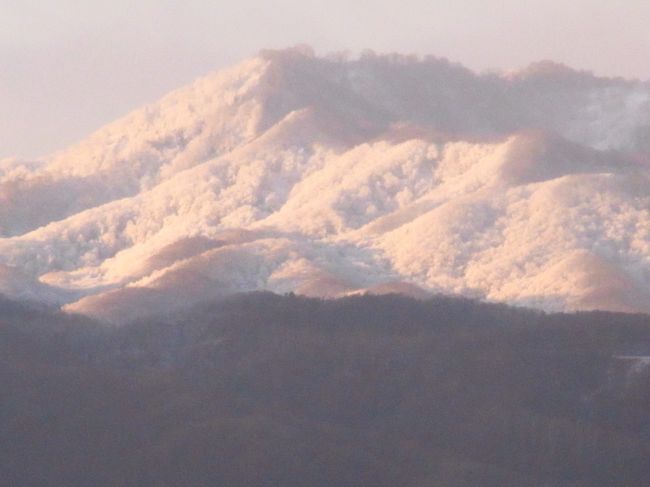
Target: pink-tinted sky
pixel 69 66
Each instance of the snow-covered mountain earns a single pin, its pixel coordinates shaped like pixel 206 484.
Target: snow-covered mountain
pixel 329 176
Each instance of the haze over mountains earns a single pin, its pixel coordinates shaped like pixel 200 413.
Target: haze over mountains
pixel 329 176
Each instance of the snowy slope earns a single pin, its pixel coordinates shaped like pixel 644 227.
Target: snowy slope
pixel 328 176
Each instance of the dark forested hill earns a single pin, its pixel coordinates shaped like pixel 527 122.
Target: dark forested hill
pixel 267 390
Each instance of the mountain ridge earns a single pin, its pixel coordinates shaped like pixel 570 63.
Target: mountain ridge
pixel 330 176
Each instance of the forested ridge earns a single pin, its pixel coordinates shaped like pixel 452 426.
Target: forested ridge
pixel 269 390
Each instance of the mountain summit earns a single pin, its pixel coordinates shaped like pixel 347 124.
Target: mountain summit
pixel 331 176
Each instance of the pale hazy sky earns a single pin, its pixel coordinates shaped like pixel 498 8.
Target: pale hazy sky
pixel 69 66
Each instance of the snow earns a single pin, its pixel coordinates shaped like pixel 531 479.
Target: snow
pixel 330 177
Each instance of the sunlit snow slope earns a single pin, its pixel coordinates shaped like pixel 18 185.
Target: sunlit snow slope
pixel 327 176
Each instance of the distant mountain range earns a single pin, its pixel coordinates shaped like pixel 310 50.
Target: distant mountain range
pixel 328 177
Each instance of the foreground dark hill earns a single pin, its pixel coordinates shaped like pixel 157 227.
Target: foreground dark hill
pixel 267 390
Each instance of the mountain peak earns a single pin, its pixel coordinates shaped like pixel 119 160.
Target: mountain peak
pixel 332 175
